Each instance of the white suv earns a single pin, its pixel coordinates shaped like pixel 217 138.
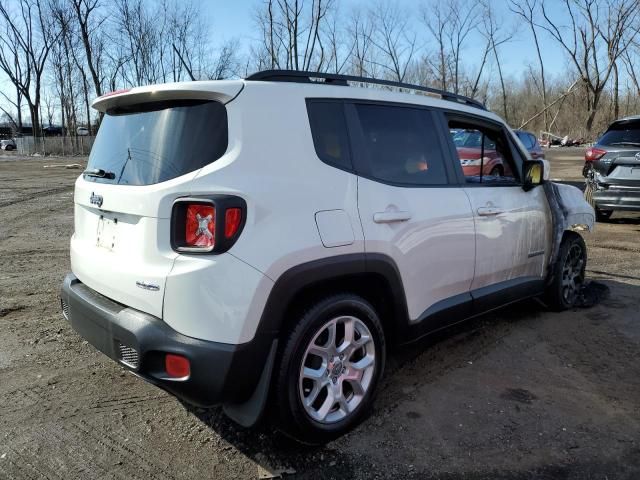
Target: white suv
pixel 262 242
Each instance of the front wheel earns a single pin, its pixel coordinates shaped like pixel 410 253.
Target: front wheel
pixel 568 273
pixel 329 369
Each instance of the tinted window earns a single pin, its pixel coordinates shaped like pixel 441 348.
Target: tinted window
pixel 622 134
pixel 484 153
pixel 402 145
pixel 329 131
pixel 154 142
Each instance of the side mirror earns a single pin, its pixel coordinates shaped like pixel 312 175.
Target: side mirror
pixel 533 171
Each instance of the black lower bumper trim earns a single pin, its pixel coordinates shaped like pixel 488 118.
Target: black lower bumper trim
pixel 219 372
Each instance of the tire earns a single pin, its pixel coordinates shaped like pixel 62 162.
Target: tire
pixel 495 172
pixel 322 417
pixel 603 215
pixel 568 273
pixel 8 148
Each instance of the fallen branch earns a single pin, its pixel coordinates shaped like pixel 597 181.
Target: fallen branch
pixel 561 97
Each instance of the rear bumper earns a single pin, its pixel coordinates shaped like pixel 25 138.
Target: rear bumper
pixel 220 373
pixel 618 199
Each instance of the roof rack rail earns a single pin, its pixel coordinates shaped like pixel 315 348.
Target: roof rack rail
pixel 299 76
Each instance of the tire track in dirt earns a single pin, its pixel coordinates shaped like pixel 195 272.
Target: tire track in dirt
pixel 26 198
pixel 143 460
pixel 35 403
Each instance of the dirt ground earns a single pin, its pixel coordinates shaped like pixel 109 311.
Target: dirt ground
pixel 521 393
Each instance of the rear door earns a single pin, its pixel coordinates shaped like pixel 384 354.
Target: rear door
pixel 511 225
pixel 410 209
pixel 144 157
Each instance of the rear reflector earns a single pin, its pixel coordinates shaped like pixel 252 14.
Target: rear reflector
pixel 177 366
pixel 232 219
pixel 592 154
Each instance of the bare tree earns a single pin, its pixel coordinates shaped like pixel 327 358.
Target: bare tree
pixel 494 35
pixel 360 31
pixel 393 39
pixel 599 34
pixel 26 40
pixel 89 31
pixel 527 10
pixel 291 33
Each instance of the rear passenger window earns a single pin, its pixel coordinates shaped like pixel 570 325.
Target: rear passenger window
pixel 329 131
pixel 402 145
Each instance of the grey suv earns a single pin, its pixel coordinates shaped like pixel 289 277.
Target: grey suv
pixel 612 169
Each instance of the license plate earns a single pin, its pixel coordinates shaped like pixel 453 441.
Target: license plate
pixel 106 236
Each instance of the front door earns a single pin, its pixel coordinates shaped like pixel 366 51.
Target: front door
pixel 512 230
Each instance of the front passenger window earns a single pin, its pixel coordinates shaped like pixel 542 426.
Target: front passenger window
pixel 484 154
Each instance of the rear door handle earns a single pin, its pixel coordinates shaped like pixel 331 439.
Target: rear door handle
pixel 489 211
pixel 391 217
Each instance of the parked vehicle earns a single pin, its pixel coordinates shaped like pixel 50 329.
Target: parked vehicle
pixel 531 143
pixel 612 169
pixel 477 154
pixel 82 131
pixel 52 131
pixel 260 243
pixel 8 144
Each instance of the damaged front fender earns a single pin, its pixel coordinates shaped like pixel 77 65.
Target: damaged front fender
pixel 569 211
pixel 577 213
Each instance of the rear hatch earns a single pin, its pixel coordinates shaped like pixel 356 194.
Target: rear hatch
pixel 620 166
pixel 149 147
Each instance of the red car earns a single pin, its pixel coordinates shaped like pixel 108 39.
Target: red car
pixel 469 146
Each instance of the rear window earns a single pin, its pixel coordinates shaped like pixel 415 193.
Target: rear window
pixel 155 142
pixel 622 134
pixel 329 131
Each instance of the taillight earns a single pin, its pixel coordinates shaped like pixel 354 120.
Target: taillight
pixel 200 226
pixel 592 154
pixel 207 225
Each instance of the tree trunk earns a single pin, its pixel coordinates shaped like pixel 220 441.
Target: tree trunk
pixel 616 93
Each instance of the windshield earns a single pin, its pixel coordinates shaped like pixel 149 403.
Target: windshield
pixel 623 133
pixel 154 142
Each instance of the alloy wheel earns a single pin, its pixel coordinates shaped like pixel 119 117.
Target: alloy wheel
pixel 337 369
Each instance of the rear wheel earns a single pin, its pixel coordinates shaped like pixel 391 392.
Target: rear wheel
pixel 568 273
pixel 330 367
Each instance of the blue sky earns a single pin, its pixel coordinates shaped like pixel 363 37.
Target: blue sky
pixel 235 19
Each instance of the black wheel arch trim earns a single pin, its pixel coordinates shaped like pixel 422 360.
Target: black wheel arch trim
pixel 298 278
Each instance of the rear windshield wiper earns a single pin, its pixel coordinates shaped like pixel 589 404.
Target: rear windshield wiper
pixel 100 173
pixel 634 144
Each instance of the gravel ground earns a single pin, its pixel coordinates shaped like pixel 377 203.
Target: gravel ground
pixel 521 393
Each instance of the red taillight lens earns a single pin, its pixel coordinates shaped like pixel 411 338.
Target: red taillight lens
pixel 592 154
pixel 232 219
pixel 200 226
pixel 177 366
